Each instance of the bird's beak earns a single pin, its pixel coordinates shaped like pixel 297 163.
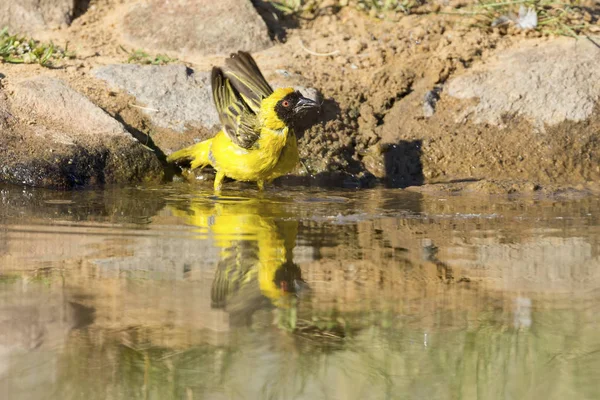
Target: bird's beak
pixel 303 105
pixel 301 287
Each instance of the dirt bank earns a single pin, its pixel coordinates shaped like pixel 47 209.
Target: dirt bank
pixel 408 99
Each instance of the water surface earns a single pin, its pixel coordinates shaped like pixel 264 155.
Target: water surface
pixel 173 293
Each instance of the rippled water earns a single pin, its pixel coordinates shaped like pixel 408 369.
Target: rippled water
pixel 173 293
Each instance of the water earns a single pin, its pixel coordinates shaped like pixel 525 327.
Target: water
pixel 174 293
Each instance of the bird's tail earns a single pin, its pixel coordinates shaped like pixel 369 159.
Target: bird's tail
pixel 197 155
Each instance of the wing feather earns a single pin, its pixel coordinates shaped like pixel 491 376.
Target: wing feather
pixel 238 120
pixel 246 78
pixel 235 270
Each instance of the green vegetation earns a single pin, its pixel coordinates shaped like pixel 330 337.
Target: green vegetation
pixel 21 50
pixel 295 6
pixel 553 17
pixel 9 278
pixel 547 16
pixel 375 8
pixel 379 7
pixel 141 57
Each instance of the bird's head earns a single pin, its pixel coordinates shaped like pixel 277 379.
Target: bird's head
pixel 288 280
pixel 284 107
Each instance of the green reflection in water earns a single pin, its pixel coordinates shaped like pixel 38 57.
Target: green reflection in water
pixel 171 293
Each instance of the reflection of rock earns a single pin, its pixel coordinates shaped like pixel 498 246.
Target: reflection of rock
pixel 30 15
pixel 165 295
pixel 173 96
pixel 543 264
pixel 36 322
pixel 196 27
pixel 522 317
pixel 53 136
pixel 405 327
pixel 118 205
pixel 151 258
pixel 163 289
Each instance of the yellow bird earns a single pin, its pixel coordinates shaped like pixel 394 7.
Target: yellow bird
pixel 256 239
pixel 257 142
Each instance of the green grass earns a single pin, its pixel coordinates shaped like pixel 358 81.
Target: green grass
pixel 379 7
pixel 290 7
pixel 376 8
pixel 18 49
pixel 141 57
pixel 554 17
pixel 8 278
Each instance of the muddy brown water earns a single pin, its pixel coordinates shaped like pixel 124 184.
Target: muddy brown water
pixel 373 294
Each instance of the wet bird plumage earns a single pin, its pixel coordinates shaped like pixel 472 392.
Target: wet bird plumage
pixel 257 142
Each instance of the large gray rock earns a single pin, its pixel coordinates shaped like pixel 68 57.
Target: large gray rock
pixel 173 96
pixel 52 136
pixel 545 82
pixel 201 27
pixel 23 16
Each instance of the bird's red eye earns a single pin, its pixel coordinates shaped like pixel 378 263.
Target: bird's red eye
pixel 285 103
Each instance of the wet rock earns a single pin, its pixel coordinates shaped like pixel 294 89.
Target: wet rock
pixel 545 82
pixel 52 136
pixel 32 15
pixel 173 96
pixel 196 27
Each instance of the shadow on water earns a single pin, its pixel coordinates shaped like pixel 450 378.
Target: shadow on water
pixel 173 292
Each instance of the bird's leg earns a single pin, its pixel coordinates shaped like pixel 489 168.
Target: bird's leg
pixel 219 181
pixel 261 185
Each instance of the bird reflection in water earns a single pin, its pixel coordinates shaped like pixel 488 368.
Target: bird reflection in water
pixel 256 238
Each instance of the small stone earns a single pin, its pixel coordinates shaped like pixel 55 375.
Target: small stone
pixel 375 164
pixel 283 73
pixel 355 46
pixel 417 34
pixel 341 60
pixel 430 100
pixel 310 93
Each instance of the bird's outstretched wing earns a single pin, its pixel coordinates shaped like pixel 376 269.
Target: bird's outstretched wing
pixel 238 120
pixel 236 270
pixel 241 69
